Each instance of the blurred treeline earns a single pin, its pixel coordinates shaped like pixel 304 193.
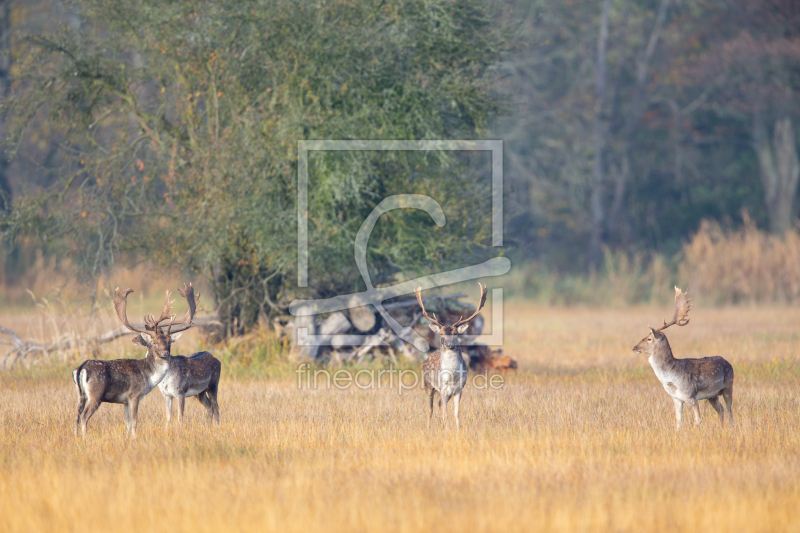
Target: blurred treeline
pixel 634 121
pixel 166 132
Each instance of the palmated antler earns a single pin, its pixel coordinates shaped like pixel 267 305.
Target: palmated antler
pixel 186 322
pixel 425 313
pixel 682 305
pixel 151 321
pixel 121 304
pixel 481 303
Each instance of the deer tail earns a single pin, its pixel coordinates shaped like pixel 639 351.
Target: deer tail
pixel 76 378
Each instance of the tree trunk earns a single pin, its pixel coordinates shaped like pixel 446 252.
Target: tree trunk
pixel 780 170
pixel 596 201
pixel 242 295
pixel 5 91
pixel 616 224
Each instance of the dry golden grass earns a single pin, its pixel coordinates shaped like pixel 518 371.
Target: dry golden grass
pixel 44 277
pixel 744 265
pixel 582 438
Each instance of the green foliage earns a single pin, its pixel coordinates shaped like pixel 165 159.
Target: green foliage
pixel 179 124
pixel 169 131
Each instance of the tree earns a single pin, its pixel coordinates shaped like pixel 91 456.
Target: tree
pixel 582 74
pixel 748 70
pixel 5 91
pixel 179 125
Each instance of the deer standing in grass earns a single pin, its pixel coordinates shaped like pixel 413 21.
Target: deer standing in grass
pixel 688 380
pixel 127 381
pixel 445 371
pixel 197 375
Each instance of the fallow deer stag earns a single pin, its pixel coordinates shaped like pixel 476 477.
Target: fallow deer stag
pixel 197 375
pixel 688 380
pixel 127 381
pixel 445 371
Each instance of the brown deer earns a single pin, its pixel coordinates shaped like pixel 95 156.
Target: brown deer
pixel 197 375
pixel 127 381
pixel 688 380
pixel 445 371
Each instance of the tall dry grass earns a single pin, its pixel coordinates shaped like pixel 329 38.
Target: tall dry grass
pixel 34 275
pixel 581 438
pixel 745 265
pixel 721 266
pixel 624 279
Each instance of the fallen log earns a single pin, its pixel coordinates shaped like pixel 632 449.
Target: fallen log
pixel 22 348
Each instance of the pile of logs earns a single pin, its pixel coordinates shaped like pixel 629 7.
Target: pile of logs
pixel 342 333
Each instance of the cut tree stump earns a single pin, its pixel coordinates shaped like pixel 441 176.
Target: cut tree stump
pixel 363 318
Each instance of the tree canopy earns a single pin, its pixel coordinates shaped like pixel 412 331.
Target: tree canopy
pixel 684 129
pixel 169 130
pixel 178 125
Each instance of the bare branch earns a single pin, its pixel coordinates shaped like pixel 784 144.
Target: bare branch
pixel 22 348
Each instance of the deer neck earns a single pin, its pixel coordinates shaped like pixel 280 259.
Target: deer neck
pixel 662 355
pixel 154 368
pixel 450 356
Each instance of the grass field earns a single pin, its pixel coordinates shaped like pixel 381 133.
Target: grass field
pixel 582 438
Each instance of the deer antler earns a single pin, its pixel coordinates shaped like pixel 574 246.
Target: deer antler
pixel 151 321
pixel 425 313
pixel 682 306
pixel 121 305
pixel 481 303
pixel 186 322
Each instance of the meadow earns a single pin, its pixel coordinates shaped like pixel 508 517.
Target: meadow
pixel 581 438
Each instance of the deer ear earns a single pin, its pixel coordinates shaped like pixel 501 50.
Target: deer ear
pixel 139 339
pixel 462 328
pixel 175 336
pixel 435 328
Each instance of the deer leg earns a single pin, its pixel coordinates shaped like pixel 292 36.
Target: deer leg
pixel 168 407
pixel 456 401
pixel 678 412
pixel 715 403
pixel 443 403
pixel 88 411
pixel 181 405
pixel 127 409
pixel 212 396
pixel 727 394
pixel 696 410
pixel 431 392
pixel 134 403
pixel 203 399
pixel 81 405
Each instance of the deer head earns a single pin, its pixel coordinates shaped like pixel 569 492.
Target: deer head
pixel 682 306
pixel 153 335
pixel 447 333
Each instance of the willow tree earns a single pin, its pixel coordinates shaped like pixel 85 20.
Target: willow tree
pixel 179 124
